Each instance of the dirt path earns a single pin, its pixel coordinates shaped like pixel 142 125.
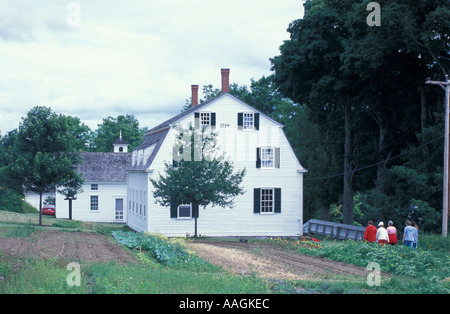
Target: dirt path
pixel 71 246
pixel 271 261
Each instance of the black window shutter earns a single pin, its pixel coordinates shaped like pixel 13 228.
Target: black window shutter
pixel 256 201
pixel 258 157
pixel 196 120
pixel 173 210
pixel 195 211
pixel 277 200
pixel 175 156
pixel 256 115
pixel 277 157
pixel 240 120
pixel 213 120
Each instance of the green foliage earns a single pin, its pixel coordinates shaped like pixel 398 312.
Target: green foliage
pixel 200 178
pixel 333 57
pixel 159 248
pixel 210 179
pixel 68 224
pixel 35 276
pixel 110 129
pixel 45 151
pixel 21 231
pixel 395 259
pixel 10 200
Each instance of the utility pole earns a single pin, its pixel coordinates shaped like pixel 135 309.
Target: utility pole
pixel 446 193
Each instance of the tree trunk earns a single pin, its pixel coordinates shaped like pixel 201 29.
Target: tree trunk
pixel 348 167
pixel 70 209
pixel 40 208
pixel 381 167
pixel 195 214
pixel 424 120
pixel 325 212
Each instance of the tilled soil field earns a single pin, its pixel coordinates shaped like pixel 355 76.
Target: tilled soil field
pixel 271 261
pixel 259 258
pixel 71 246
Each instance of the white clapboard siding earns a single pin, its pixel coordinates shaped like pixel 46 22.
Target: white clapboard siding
pixel 81 207
pixel 137 206
pixel 240 147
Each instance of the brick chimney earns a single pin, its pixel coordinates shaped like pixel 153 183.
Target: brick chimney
pixel 194 89
pixel 225 80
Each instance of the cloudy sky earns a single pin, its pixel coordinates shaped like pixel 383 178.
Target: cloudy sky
pixel 96 58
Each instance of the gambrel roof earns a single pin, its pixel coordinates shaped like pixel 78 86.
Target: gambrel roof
pixel 155 136
pixel 193 109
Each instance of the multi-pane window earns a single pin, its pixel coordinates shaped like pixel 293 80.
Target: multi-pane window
pixel 94 187
pixel 94 202
pixel 248 121
pixel 267 200
pixel 205 118
pixel 267 157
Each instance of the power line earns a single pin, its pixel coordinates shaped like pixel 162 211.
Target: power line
pixel 377 163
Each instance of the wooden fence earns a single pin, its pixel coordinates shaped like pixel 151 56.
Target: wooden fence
pixel 333 230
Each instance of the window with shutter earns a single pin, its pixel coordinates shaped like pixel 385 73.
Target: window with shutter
pixel 267 157
pixel 266 200
pixel 248 121
pixel 204 119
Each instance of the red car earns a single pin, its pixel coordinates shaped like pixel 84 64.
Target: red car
pixel 48 210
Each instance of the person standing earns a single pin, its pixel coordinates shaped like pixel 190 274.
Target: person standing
pixel 415 234
pixel 382 235
pixel 370 235
pixel 392 233
pixel 408 234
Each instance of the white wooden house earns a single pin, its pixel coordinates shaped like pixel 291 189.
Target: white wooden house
pixel 104 195
pixel 273 202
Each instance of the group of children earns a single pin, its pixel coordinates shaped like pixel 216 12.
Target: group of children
pixel 389 235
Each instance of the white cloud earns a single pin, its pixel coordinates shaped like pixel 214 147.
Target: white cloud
pixel 137 57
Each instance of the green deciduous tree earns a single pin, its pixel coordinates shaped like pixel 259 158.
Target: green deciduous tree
pixel 45 153
pixel 335 63
pixel 110 129
pixel 200 176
